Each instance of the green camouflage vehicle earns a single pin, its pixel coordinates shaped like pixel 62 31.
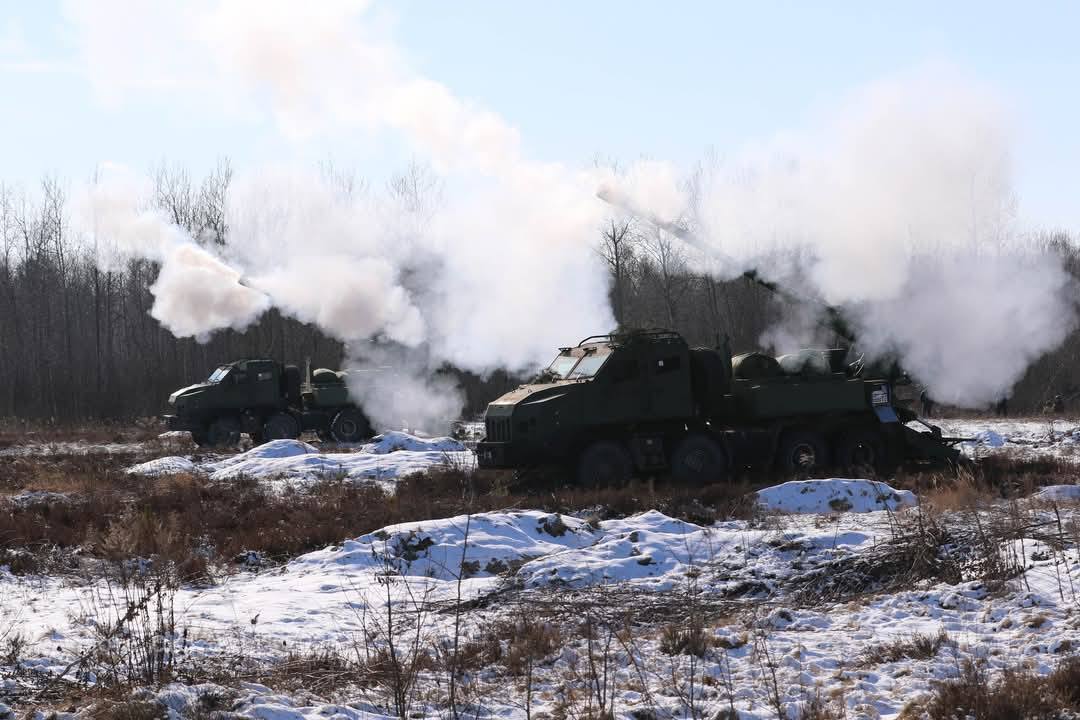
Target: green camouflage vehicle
pixel 268 401
pixel 645 402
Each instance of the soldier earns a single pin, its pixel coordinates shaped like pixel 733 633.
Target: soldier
pixel 927 403
pixel 1001 407
pixel 1059 404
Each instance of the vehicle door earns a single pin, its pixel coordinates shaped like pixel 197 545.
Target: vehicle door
pixel 264 384
pixel 668 378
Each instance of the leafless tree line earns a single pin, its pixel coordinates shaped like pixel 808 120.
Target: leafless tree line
pixel 78 342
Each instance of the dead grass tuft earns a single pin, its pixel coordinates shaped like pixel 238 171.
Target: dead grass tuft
pixel 1018 694
pixel 819 708
pixel 685 639
pixel 917 646
pixel 126 710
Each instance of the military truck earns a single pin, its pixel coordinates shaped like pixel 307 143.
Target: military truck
pixel 267 400
pixel 645 402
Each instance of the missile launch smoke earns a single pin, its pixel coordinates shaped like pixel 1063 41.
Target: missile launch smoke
pixel 900 204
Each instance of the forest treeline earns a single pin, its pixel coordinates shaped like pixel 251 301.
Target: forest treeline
pixel 77 342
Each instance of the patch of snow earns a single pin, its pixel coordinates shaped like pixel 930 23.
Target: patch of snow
pixel 390 456
pixel 47 449
pixel 397 441
pixel 989 438
pixel 1052 436
pixel 38 497
pixel 833 495
pixel 496 543
pixel 1058 493
pixel 171 465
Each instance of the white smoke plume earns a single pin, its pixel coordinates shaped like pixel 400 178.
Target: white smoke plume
pixel 898 208
pixel 400 388
pixel 482 261
pixel 891 202
pixel 196 292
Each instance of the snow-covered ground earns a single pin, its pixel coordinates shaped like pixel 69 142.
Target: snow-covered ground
pixel 809 592
pixel 821 577
pixel 1053 436
pixel 387 457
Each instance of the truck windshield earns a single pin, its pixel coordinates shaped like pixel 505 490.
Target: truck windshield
pixel 589 366
pixel 561 366
pixel 218 375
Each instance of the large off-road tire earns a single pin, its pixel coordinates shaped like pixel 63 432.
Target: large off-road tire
pixel 802 451
pixel 280 426
pixel 699 459
pixel 350 425
pixel 223 432
pixel 605 464
pixel 201 437
pixel 861 452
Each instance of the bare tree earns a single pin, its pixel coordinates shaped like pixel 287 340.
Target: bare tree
pixel 669 263
pixel 617 246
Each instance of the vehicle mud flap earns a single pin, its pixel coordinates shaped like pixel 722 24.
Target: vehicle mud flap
pixel 886 413
pixel 648 452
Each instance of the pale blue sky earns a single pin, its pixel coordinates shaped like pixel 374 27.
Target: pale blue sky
pixel 579 78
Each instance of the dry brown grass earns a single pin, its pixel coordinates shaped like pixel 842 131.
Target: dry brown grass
pixel 198 523
pixel 16 431
pixel 1018 694
pixel 995 477
pixel 918 646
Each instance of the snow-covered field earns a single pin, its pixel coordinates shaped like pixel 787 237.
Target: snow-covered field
pixel 802 599
pixel 804 593
pixel 387 457
pixel 1053 436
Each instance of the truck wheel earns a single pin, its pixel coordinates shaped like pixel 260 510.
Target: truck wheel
pixel 860 451
pixel 223 432
pixel 281 426
pixel 699 459
pixel 605 464
pixel 201 437
pixel 802 451
pixel 350 426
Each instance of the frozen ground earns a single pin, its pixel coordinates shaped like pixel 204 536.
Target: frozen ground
pixel 808 595
pixel 808 592
pixel 387 457
pixel 1028 437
